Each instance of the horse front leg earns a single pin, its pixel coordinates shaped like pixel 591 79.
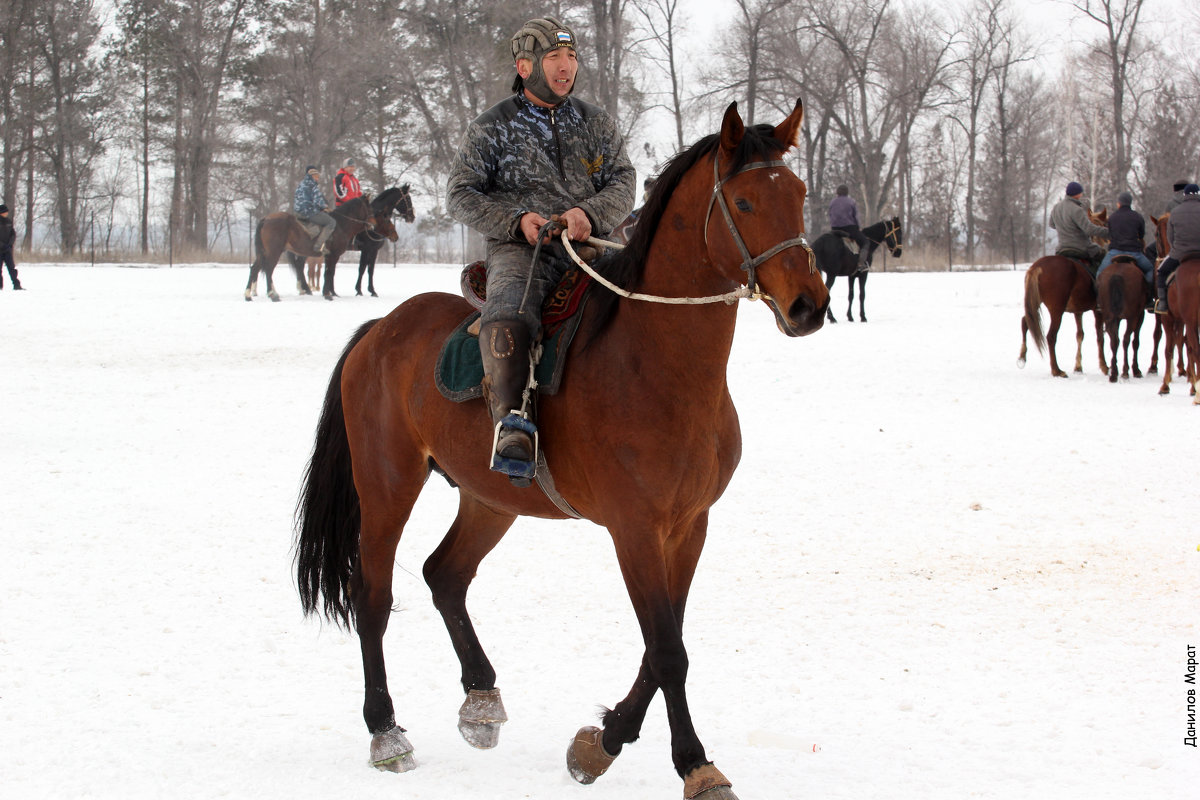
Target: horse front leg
pixel 830 279
pixel 362 267
pixel 1079 342
pixel 1099 341
pixel 448 572
pixel 1137 336
pixel 371 274
pixel 330 267
pixel 1158 332
pixel 658 585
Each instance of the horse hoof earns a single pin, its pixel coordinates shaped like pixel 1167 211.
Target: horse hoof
pixel 248 298
pixel 373 293
pixel 274 296
pixel 328 296
pixel 1021 363
pixel 586 757
pixel 358 292
pixel 707 783
pixel 392 752
pixel 480 718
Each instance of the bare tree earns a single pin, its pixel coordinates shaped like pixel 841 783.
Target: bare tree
pixel 663 23
pixel 1119 18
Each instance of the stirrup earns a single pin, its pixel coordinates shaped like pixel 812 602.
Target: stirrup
pixel 521 472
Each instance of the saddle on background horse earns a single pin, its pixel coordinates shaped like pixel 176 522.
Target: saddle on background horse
pixel 1082 259
pixel 848 241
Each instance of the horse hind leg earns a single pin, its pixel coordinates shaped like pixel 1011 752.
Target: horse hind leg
pixel 1079 342
pixel 862 297
pixel 448 572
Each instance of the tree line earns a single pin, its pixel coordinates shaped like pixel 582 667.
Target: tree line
pixel 176 120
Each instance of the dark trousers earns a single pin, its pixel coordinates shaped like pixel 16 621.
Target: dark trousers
pixel 7 258
pixel 854 233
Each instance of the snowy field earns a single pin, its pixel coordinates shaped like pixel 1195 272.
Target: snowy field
pixel 955 578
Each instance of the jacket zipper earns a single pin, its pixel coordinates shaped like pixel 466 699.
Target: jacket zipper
pixel 557 145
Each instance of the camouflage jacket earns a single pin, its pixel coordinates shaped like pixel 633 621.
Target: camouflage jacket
pixel 1075 230
pixel 518 157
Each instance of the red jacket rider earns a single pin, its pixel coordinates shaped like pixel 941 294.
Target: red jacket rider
pixel 345 185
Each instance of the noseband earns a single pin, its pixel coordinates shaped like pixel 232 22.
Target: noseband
pixel 751 263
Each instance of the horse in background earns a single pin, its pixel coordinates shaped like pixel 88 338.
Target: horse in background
pixel 1169 322
pixel 1122 297
pixel 385 428
pixel 282 232
pixel 834 258
pixel 1063 285
pixel 394 200
pixel 1184 300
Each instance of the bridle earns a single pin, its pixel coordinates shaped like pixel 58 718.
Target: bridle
pixel 889 232
pixel 751 263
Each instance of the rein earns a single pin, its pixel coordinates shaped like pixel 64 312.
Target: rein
pixel 749 263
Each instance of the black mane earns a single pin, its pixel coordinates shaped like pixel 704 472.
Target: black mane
pixel 625 267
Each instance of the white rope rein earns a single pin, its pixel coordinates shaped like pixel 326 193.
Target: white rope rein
pixel 729 297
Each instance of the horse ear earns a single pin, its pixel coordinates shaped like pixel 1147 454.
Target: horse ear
pixel 787 130
pixel 732 128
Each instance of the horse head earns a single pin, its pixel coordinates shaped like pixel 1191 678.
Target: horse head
pixel 404 205
pixel 761 212
pixel 894 237
pixel 1160 234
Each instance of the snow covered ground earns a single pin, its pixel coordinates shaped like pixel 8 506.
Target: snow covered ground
pixel 954 577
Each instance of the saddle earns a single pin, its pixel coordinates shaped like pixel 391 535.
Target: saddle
pixel 311 229
pixel 460 367
pixel 1082 259
pixel 847 241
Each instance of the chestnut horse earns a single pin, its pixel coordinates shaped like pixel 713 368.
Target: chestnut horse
pixel 369 243
pixel 1122 296
pixel 1063 285
pixel 281 232
pixel 1184 300
pixel 1169 322
pixel 649 477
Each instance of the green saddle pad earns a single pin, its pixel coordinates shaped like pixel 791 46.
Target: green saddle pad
pixel 460 365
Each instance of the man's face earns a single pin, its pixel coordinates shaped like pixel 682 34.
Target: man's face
pixel 314 175
pixel 560 66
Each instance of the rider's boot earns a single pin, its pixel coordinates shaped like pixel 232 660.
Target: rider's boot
pixel 1160 305
pixel 321 244
pixel 504 346
pixel 863 263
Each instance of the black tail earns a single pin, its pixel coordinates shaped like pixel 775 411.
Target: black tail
pixel 327 514
pixel 1116 297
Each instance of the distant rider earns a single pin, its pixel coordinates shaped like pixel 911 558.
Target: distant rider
pixel 843 216
pixel 1183 234
pixel 311 206
pixel 1075 231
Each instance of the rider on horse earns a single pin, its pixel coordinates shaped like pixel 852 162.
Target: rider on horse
pixel 538 153
pixel 1075 231
pixel 1127 232
pixel 311 206
pixel 1183 234
pixel 345 184
pixel 843 219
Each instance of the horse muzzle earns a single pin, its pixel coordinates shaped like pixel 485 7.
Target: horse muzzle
pixel 803 317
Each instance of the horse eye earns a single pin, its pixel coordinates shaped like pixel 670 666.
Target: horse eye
pixel 742 205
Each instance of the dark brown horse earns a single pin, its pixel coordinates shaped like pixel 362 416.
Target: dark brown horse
pixel 369 243
pixel 282 232
pixel 1184 300
pixel 1065 286
pixel 1168 323
pixel 1122 297
pixel 649 477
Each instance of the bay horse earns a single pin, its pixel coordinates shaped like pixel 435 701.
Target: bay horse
pixel 649 477
pixel 1184 300
pixel 1169 323
pixel 282 232
pixel 1064 285
pixel 834 259
pixel 369 243
pixel 1122 297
